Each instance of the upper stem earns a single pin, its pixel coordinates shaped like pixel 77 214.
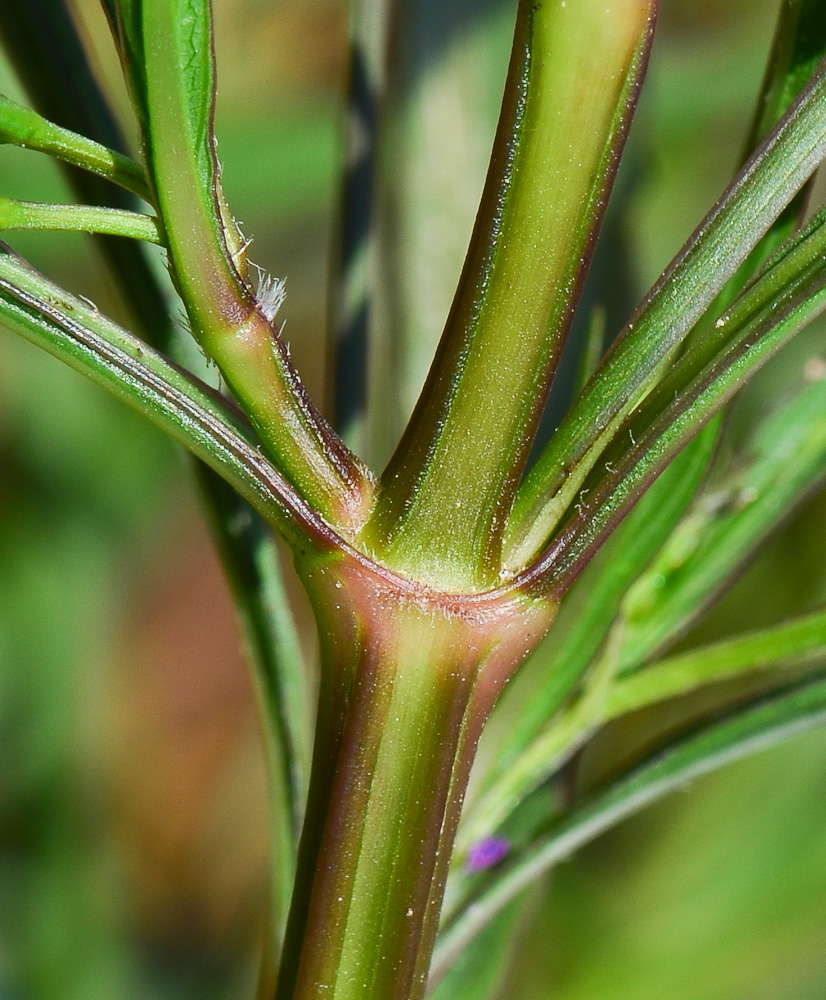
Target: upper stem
pixel 571 86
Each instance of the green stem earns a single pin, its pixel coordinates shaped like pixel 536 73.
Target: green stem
pixel 79 219
pixel 571 87
pixel 226 317
pixel 409 678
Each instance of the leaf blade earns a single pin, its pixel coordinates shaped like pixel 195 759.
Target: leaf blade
pixel 172 399
pixel 720 245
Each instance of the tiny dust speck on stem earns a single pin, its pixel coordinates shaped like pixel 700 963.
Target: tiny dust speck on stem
pixel 444 544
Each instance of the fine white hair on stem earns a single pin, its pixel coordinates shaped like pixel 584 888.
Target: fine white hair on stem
pixel 270 293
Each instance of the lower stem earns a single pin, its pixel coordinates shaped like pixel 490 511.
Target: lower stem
pixel 408 682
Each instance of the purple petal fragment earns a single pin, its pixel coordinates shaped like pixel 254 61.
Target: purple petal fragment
pixel 486 853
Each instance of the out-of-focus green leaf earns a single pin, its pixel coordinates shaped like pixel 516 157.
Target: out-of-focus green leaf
pixel 769 651
pixel 799 46
pixel 251 562
pixel 744 731
pixel 354 281
pixel 480 969
pixel 783 462
pixel 438 117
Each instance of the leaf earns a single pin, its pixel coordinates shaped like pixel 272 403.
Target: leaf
pixel 742 732
pixel 787 296
pixel 24 127
pixel 78 218
pixel 125 21
pixel 173 400
pixel 480 970
pixel 799 46
pixel 720 245
pixel 42 42
pixel 253 568
pixel 772 650
pixel 353 275
pixel 782 463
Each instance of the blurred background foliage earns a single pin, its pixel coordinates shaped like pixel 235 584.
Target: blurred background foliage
pixel 132 813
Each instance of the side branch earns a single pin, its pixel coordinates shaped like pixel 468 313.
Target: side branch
pixel 208 265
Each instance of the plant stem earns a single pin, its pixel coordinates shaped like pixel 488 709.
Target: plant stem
pixel 229 322
pixel 572 85
pixel 409 678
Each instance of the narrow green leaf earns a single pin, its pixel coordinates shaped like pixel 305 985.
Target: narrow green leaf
pixel 796 38
pixel 173 400
pixel 594 347
pixel 23 127
pixel 799 46
pixel 779 466
pixel 480 970
pixel 776 649
pixel 124 18
pixel 353 277
pixel 78 219
pixel 572 86
pixel 253 568
pixel 228 320
pixel 744 731
pixel 784 300
pixel 721 244
pixel 43 45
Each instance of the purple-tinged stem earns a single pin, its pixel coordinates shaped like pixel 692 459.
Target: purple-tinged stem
pixel 409 679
